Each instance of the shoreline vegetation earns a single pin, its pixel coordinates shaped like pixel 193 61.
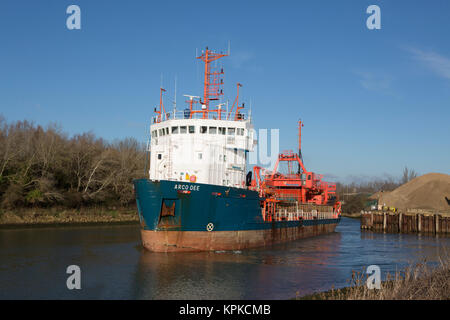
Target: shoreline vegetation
pixel 48 177
pixel 420 281
pixel 34 217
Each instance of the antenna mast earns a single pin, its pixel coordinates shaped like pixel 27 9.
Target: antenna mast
pixel 175 98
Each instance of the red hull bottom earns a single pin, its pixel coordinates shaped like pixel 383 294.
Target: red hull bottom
pixel 191 241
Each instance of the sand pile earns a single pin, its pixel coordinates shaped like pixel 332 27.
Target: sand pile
pixel 377 195
pixel 425 192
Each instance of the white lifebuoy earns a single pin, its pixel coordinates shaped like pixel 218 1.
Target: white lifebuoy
pixel 210 227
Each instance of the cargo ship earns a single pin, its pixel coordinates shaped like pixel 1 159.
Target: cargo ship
pixel 199 195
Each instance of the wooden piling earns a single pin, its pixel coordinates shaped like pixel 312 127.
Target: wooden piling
pixel 416 222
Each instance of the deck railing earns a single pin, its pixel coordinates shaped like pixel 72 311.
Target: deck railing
pixel 284 214
pixel 186 114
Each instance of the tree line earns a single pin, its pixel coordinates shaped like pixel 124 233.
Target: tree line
pixel 45 167
pixel 356 195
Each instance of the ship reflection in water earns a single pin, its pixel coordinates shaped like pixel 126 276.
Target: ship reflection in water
pixel 115 266
pixel 253 274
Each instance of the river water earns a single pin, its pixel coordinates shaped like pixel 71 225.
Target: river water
pixel 33 263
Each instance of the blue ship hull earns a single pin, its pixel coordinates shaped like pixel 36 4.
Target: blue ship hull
pixel 180 216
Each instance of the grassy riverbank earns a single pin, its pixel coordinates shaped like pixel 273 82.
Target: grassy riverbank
pixel 55 216
pixel 417 282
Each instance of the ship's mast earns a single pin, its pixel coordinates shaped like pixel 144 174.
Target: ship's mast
pixel 213 81
pixel 300 125
pixel 161 110
pixel 212 91
pixel 236 102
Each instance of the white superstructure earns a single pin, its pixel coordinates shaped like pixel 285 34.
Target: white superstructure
pixel 209 145
pixel 202 150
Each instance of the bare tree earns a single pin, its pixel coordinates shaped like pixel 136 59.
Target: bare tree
pixel 42 166
pixel 408 175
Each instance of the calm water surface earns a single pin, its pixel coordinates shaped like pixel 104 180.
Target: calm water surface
pixel 113 264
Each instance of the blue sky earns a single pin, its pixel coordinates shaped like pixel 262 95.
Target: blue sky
pixel 372 101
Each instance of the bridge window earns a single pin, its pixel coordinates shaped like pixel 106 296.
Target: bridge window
pixel 203 129
pixel 161 132
pixel 183 129
pixel 174 130
pixel 212 130
pixel 240 131
pixel 231 131
pixel 222 130
pixel 167 131
pixel 191 129
pixel 159 156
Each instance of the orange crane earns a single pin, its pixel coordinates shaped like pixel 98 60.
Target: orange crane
pixel 300 185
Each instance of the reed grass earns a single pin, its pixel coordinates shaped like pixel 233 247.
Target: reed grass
pixel 419 281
